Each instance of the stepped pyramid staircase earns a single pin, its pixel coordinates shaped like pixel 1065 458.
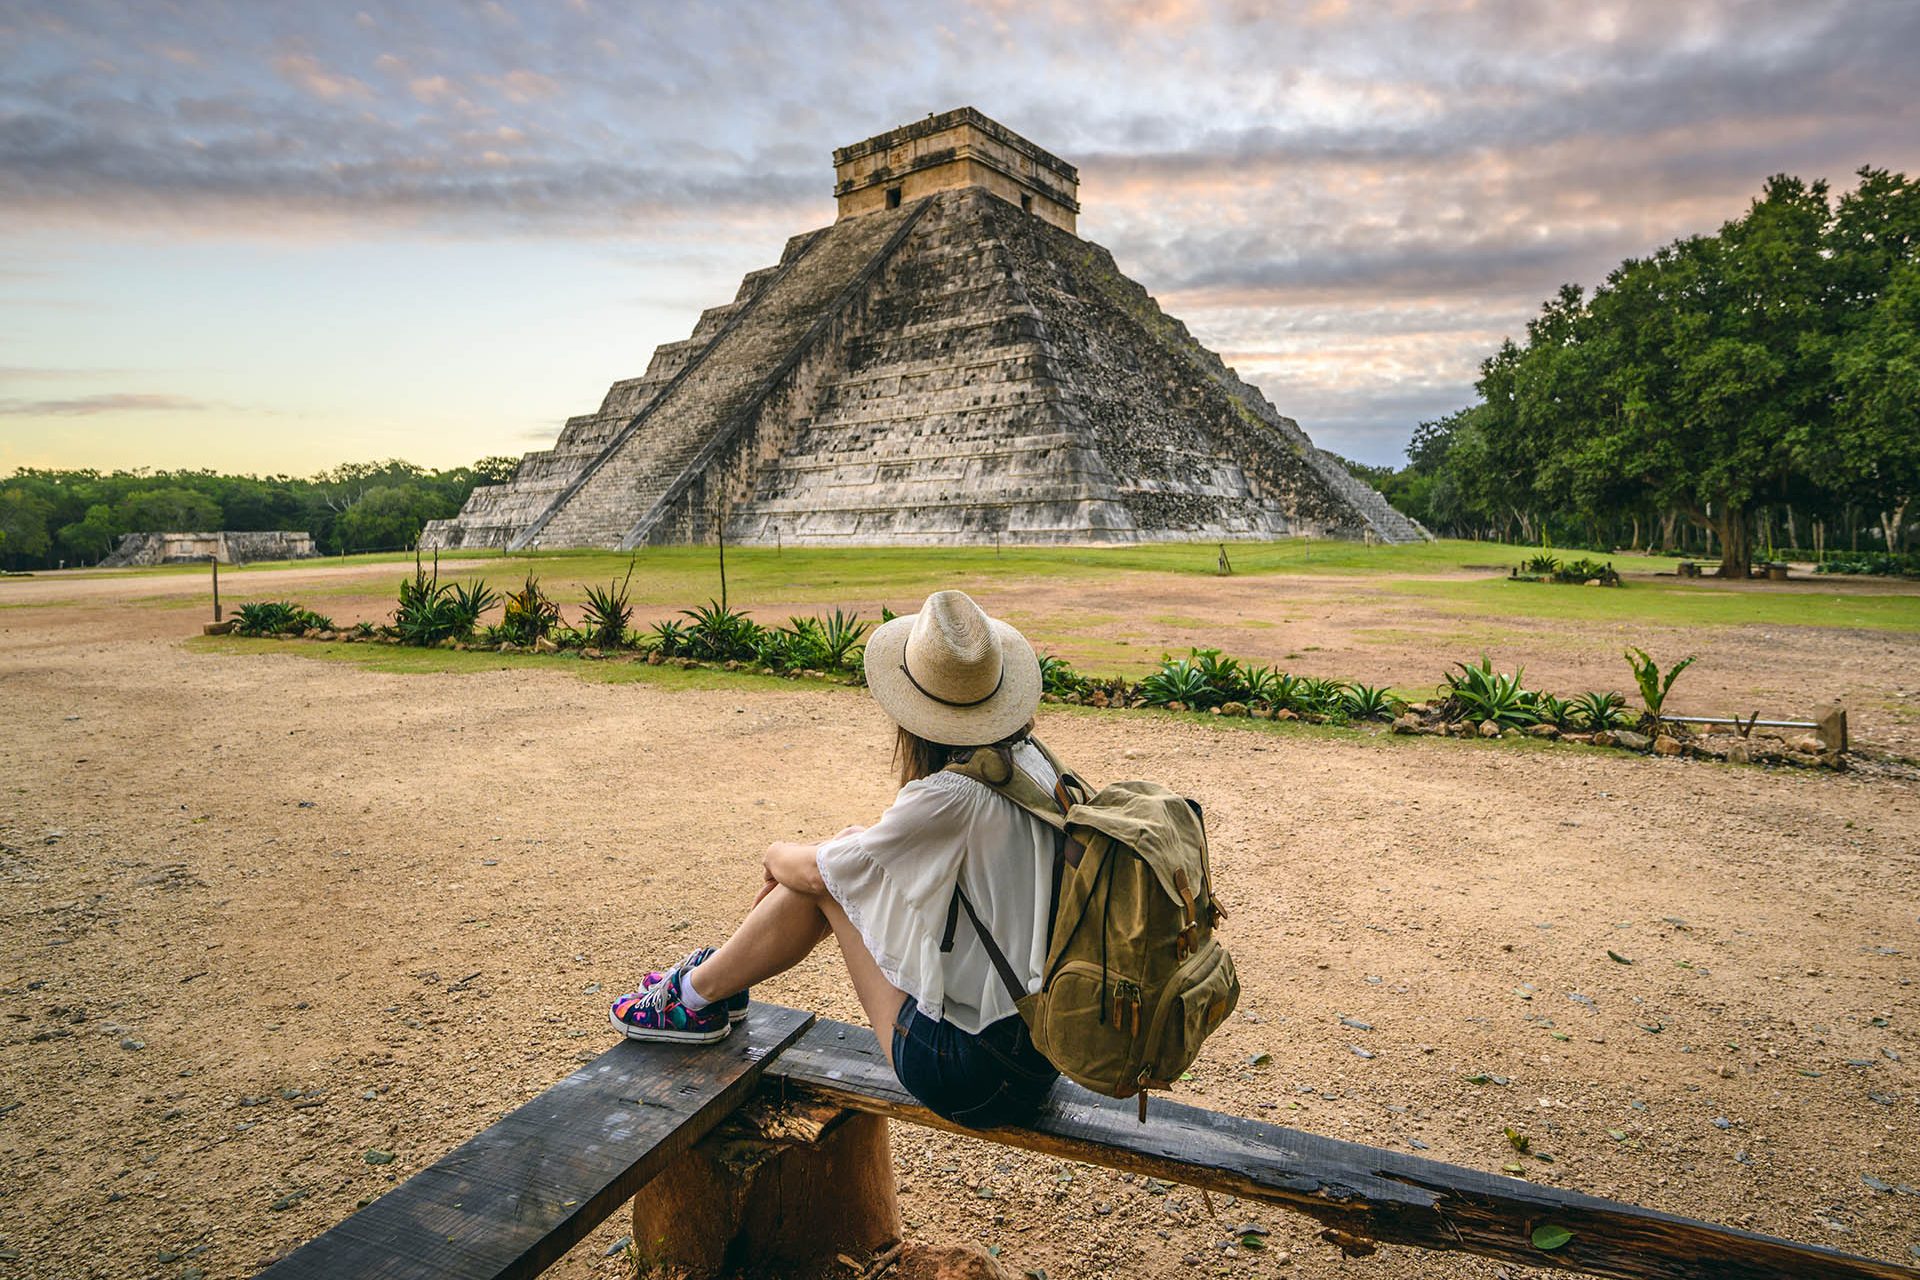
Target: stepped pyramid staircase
pixel 952 370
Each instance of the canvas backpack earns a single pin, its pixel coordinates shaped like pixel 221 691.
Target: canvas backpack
pixel 1134 980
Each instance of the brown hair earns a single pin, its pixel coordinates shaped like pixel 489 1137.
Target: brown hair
pixel 917 758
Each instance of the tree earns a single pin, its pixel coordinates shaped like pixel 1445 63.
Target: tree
pixel 169 510
pixel 23 526
pixel 92 536
pixel 389 517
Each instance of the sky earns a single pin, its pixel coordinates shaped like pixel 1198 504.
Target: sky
pixel 274 237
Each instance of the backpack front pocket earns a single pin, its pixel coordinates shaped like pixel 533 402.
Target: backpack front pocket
pixel 1087 1024
pixel 1198 1000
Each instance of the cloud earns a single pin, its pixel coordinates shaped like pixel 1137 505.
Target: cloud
pixel 111 402
pixel 1353 197
pixel 305 72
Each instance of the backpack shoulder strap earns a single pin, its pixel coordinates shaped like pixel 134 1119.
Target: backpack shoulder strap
pixel 993 767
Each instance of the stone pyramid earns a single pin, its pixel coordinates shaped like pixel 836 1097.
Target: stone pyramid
pixel 947 363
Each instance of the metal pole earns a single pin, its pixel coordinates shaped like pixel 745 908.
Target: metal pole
pixel 216 587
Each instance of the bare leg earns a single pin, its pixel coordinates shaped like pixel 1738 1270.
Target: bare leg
pixel 879 997
pixel 780 932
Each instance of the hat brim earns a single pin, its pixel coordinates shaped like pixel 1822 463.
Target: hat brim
pixel 1010 707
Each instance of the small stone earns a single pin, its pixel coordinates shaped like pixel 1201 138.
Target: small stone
pixel 379 1157
pixel 1739 753
pixel 1628 740
pixel 1406 724
pixel 1542 731
pixel 618 1247
pixel 544 645
pixel 1488 729
pixel 1666 746
pixel 133 1046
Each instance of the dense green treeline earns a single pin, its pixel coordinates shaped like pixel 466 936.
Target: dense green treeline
pixel 47 517
pixel 1732 393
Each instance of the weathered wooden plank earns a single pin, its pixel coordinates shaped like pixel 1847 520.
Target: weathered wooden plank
pixel 1362 1194
pixel 509 1202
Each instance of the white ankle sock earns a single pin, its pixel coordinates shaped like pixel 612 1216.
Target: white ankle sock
pixel 689 997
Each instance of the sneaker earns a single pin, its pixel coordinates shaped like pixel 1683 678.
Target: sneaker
pixel 736 1003
pixel 655 1013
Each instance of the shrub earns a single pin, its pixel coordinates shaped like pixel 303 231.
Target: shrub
pixel 1479 693
pixel 1874 562
pixel 1060 679
pixel 277 618
pixel 530 614
pixel 606 613
pixel 1543 565
pixel 1654 688
pixel 1583 570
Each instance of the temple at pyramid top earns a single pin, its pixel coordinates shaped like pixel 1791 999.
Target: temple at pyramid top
pixel 947 362
pixel 955 149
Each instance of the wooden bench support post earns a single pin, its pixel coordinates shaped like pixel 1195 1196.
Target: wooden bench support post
pixel 777 1188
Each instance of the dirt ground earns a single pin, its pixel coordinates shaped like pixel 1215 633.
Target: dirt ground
pixel 237 893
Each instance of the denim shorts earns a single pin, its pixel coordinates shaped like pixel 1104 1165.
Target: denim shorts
pixel 977 1080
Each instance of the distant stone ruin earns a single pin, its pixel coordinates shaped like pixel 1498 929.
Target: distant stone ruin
pixel 198 548
pixel 947 363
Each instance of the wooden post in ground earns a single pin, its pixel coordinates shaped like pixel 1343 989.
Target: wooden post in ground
pixel 779 1186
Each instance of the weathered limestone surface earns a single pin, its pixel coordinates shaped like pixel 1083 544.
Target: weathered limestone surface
pixel 955 369
pixel 227 548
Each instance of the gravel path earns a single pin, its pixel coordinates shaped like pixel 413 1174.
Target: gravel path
pixel 266 920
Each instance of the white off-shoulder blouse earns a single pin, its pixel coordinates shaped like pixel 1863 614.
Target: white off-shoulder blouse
pixel 896 879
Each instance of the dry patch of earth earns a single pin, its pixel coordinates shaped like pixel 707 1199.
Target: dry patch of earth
pixel 262 916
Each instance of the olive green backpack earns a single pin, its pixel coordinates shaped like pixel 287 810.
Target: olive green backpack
pixel 1134 980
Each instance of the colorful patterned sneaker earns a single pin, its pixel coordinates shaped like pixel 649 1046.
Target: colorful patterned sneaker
pixel 655 1013
pixel 736 1003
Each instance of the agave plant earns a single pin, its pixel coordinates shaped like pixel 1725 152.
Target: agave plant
pixel 428 611
pixel 1654 688
pixel 720 634
pixel 1597 711
pixel 267 618
pixel 1370 702
pixel 1479 693
pixel 530 614
pixel 1543 564
pixel 840 637
pixel 1561 713
pixel 1178 680
pixel 1321 697
pixel 604 617
pixel 668 638
pixel 1224 676
pixel 470 600
pixel 1263 684
pixel 1288 693
pixel 796 646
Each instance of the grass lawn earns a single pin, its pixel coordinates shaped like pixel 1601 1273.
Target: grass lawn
pixel 1707 603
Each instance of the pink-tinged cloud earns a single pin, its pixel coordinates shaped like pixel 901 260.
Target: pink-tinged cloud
pixel 111 402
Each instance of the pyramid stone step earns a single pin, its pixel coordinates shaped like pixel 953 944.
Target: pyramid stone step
pixel 954 369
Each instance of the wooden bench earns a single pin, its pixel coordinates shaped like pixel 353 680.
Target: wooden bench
pixel 513 1199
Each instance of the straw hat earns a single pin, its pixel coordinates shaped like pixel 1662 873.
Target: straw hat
pixel 952 675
